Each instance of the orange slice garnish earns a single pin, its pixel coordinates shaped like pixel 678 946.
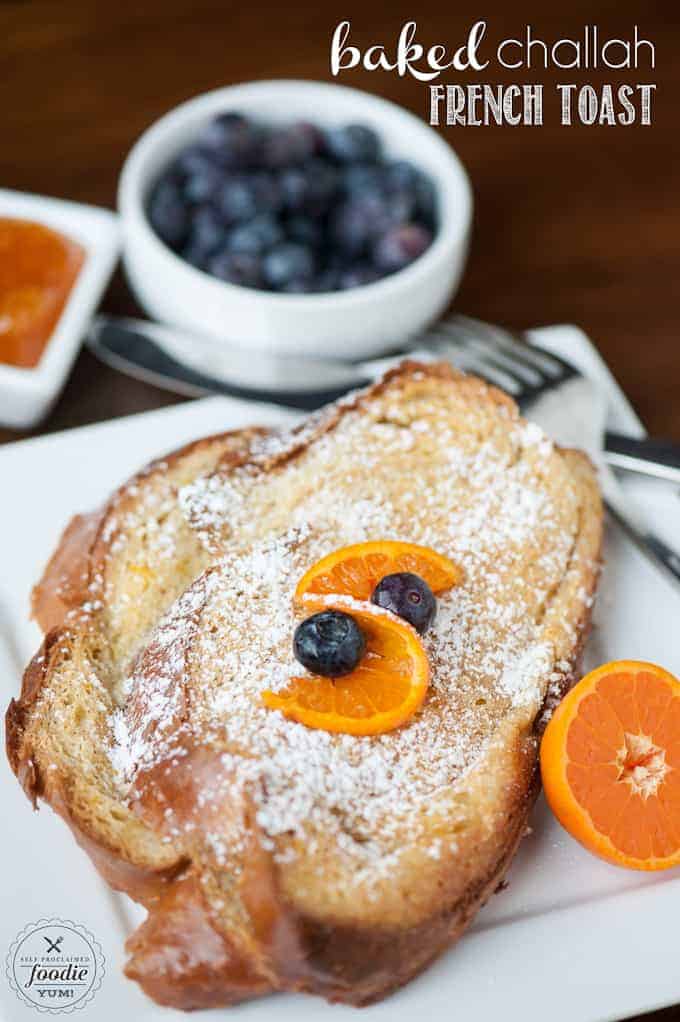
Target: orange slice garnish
pixel 356 570
pixel 381 693
pixel 610 761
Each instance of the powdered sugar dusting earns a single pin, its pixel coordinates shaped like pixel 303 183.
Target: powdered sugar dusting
pixel 533 435
pixel 482 497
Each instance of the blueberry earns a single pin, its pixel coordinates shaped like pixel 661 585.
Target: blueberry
pixel 236 200
pixel 295 188
pixel 358 222
pixel 232 140
pixel 242 197
pixel 305 230
pixel 358 275
pixel 329 643
pixel 223 126
pixel 362 177
pixel 292 144
pixel 327 280
pixel 310 138
pixel 348 229
pixel 203 185
pixel 309 189
pixel 401 174
pixel 192 160
pixel 336 259
pixel 199 173
pixel 402 206
pixel 256 235
pixel 399 246
pixel 288 262
pixel 409 596
pixel 206 235
pixel 352 143
pixel 299 286
pixel 426 201
pixel 168 214
pixel 324 183
pixel 402 177
pixel 195 256
pixel 241 268
pixel 267 192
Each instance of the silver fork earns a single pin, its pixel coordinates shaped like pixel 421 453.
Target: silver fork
pixel 530 375
pixel 505 359
pixel 527 372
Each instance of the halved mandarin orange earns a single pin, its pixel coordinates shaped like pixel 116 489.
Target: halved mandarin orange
pixel 356 570
pixel 387 687
pixel 610 762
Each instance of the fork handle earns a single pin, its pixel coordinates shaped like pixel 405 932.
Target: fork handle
pixel 659 458
pixel 648 543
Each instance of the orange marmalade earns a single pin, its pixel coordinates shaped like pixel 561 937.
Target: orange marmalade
pixel 38 268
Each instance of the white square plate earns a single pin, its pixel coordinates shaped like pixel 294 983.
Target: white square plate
pixel 571 939
pixel 26 395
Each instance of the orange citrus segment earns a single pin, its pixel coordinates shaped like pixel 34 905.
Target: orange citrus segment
pixel 387 687
pixel 356 570
pixel 610 762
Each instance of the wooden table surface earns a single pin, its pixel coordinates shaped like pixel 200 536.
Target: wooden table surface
pixel 577 224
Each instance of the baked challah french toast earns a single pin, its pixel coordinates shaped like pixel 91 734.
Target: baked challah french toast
pixel 295 828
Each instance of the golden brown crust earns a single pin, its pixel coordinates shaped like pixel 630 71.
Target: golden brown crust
pixel 80 555
pixel 180 959
pixel 326 419
pixel 141 883
pixel 63 586
pixel 17 715
pixel 78 568
pixel 183 955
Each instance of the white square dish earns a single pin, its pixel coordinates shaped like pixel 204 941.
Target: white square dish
pixel 26 395
pixel 571 938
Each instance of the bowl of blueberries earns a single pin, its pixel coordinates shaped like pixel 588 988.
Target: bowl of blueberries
pixel 294 217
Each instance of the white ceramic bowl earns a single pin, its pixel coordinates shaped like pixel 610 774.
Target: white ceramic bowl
pixel 26 395
pixel 357 323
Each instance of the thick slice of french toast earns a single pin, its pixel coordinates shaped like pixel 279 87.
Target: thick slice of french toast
pixel 294 858
pixel 114 573
pixel 373 852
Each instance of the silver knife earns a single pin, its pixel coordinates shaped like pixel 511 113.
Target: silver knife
pixel 195 366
